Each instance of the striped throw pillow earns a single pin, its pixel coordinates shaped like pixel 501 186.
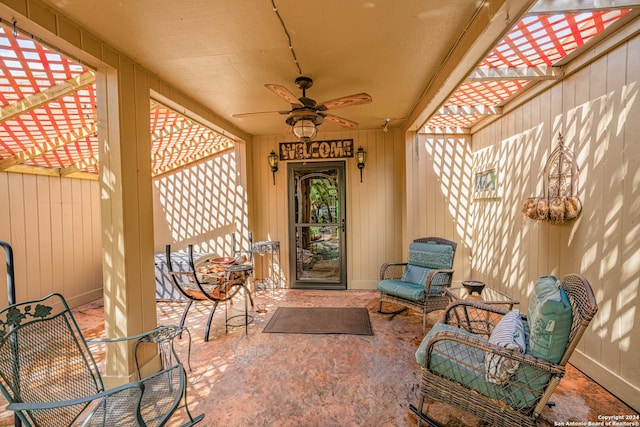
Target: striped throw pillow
pixel 509 333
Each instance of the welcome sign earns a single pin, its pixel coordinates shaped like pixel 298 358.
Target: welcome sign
pixel 331 149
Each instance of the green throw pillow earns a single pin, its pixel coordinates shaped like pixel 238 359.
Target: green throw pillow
pixel 550 319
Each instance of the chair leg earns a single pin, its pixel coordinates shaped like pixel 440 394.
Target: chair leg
pixel 213 310
pixel 192 420
pixel 184 314
pixel 421 416
pixel 392 313
pixel 424 322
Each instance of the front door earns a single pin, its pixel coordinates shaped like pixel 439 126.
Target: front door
pixel 317 225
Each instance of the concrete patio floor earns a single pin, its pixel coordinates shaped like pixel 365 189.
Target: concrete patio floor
pixel 264 379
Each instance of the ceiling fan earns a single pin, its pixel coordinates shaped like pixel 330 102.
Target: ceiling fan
pixel 305 114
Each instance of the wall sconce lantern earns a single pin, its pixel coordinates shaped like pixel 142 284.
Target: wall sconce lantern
pixel 273 164
pixel 361 158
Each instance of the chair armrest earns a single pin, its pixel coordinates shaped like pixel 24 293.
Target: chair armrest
pixel 462 358
pixel 474 316
pixel 161 334
pixel 392 270
pixel 155 335
pixel 37 406
pixel 438 277
pixel 462 339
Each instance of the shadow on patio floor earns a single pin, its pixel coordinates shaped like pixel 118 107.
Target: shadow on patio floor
pixel 260 379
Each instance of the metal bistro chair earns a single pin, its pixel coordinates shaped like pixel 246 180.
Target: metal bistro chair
pixel 50 378
pixel 189 285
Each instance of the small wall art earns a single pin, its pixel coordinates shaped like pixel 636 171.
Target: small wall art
pixel 486 181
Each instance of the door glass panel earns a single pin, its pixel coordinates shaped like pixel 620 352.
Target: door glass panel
pixel 318 225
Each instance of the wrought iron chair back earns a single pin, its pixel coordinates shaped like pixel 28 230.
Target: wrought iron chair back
pixel 50 378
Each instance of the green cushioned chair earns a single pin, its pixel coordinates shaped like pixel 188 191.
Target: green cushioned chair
pixel 453 355
pixel 419 283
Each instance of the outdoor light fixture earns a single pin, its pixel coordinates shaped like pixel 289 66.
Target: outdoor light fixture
pixel 304 123
pixel 305 130
pixel 361 158
pixel 273 164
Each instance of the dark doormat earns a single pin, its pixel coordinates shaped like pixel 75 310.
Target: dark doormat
pixel 320 320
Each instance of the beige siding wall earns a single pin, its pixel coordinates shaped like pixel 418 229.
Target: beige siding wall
pixel 438 181
pixel 597 109
pixel 374 207
pixel 203 204
pixel 53 226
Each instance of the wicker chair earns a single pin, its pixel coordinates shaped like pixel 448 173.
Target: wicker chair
pixel 454 357
pixel 50 378
pixel 419 283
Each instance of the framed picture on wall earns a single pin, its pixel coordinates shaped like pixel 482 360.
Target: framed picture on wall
pixel 486 182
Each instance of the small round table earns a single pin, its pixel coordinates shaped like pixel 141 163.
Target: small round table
pixel 239 273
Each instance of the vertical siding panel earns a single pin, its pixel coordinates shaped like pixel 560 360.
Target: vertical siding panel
pixel 78 244
pixel 570 111
pixel 629 269
pixel 529 120
pixel 44 234
pixel 67 243
pixel 96 237
pixel 534 186
pixel 581 145
pixel 57 233
pixel 5 229
pixel 553 234
pixel 86 233
pixel 32 260
pixel 612 208
pixel 18 236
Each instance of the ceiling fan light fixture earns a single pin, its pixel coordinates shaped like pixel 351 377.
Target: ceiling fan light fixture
pixel 305 129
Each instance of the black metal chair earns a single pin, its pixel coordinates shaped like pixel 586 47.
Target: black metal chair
pixel 214 288
pixel 50 378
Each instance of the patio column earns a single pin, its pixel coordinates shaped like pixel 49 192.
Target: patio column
pixel 126 210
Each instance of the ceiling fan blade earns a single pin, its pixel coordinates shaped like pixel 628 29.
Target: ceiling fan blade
pixel 340 121
pixel 260 113
pixel 284 93
pixel 345 101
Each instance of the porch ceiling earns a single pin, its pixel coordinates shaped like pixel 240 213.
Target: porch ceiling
pixel 229 50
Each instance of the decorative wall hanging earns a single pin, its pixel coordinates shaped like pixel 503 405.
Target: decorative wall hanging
pixel 560 202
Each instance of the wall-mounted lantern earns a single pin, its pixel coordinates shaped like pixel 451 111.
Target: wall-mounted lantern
pixel 273 164
pixel 361 158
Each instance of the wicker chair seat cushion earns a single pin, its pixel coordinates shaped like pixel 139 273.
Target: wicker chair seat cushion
pixel 459 362
pixel 550 318
pixel 400 289
pixel 431 255
pixel 466 365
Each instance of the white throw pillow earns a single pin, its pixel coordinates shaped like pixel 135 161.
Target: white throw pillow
pixel 509 333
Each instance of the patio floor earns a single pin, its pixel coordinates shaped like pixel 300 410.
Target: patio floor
pixel 264 379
